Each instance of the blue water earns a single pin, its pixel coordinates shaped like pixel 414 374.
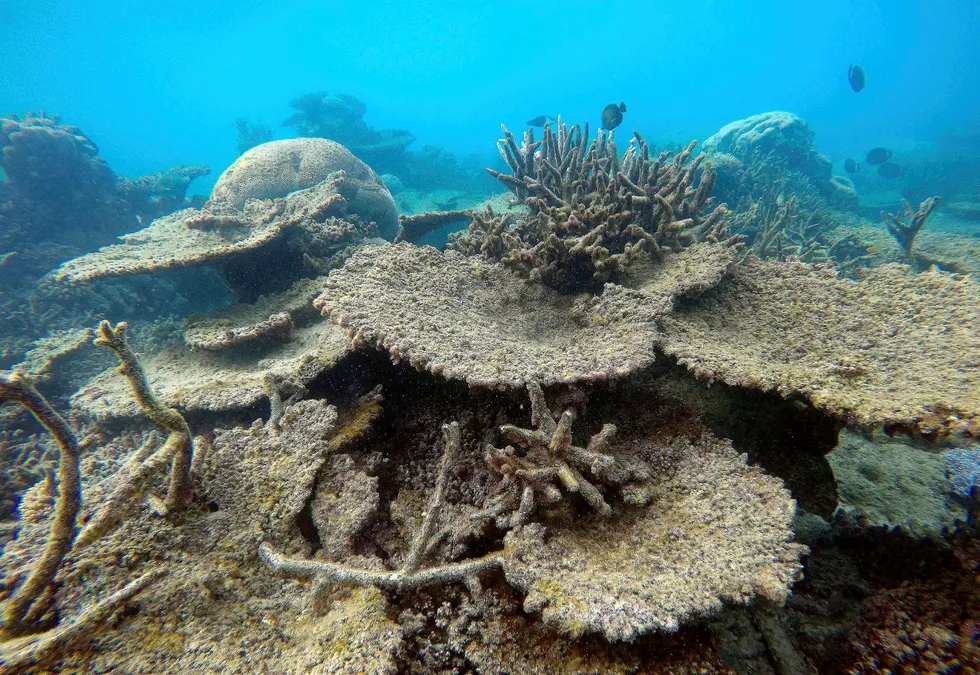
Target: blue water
pixel 156 84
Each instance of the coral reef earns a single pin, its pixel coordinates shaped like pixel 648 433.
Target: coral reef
pixel 467 318
pixel 590 214
pixel 923 626
pixel 893 348
pixel 231 379
pixel 338 117
pixel 270 317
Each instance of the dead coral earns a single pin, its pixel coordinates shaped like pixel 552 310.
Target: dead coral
pixel 547 457
pixel 230 379
pixel 715 530
pixel 270 317
pixel 470 319
pixel 590 213
pixel 905 233
pixel 412 574
pixel 894 348
pixel 310 224
pixel 180 443
pixel 32 599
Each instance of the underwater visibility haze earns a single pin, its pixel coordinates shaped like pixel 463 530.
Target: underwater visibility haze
pixel 489 337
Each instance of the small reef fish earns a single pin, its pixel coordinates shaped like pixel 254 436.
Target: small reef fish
pixel 612 115
pixel 850 166
pixel 873 250
pixel 889 170
pixel 855 75
pixel 540 120
pixel 878 156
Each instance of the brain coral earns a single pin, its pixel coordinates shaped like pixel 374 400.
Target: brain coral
pixel 470 319
pixel 273 170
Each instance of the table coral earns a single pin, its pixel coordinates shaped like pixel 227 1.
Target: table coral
pixel 716 530
pixel 469 319
pixel 894 348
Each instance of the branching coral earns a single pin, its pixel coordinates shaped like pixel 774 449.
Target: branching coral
pixel 412 574
pixel 592 214
pixel 180 442
pixel 905 233
pixel 549 456
pixel 32 600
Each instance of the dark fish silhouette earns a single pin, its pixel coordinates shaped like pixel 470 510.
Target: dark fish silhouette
pixel 850 166
pixel 855 75
pixel 878 156
pixel 889 170
pixel 540 120
pixel 612 115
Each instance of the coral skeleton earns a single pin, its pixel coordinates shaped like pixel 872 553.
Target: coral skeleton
pixel 412 574
pixel 548 457
pixel 592 214
pixel 180 443
pixel 905 233
pixel 31 601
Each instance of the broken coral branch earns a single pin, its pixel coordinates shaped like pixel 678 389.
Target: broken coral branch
pixel 31 601
pixel 411 575
pixel 180 441
pixel 21 654
pixel 905 233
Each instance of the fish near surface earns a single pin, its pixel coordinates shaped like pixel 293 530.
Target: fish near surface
pixel 850 166
pixel 889 170
pixel 878 156
pixel 540 120
pixel 612 115
pixel 855 76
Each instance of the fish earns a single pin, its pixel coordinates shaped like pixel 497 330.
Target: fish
pixel 889 170
pixel 612 115
pixel 540 120
pixel 855 75
pixel 872 250
pixel 850 166
pixel 878 156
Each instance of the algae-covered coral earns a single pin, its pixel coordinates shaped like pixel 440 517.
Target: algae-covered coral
pixel 391 458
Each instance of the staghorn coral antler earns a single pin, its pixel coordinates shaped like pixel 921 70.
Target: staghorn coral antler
pixel 180 442
pixel 905 233
pixel 31 601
